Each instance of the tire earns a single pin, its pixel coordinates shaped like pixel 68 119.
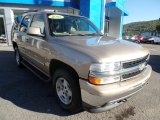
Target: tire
pixel 137 42
pixel 67 90
pixel 18 58
pixel 152 42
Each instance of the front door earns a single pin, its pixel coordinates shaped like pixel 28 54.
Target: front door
pixel 38 45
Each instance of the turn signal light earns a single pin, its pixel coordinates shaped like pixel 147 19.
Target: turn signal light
pixel 94 80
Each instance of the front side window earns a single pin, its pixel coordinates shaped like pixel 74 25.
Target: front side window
pixel 70 25
pixel 38 21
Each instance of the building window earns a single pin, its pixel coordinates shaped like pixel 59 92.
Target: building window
pixel 106 26
pixel 107 14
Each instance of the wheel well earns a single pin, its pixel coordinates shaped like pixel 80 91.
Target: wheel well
pixel 56 64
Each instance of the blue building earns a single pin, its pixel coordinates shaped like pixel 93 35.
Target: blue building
pixel 107 15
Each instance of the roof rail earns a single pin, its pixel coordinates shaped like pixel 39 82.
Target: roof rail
pixel 34 10
pixel 50 10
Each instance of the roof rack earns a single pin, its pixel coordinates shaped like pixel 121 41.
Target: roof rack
pixel 46 10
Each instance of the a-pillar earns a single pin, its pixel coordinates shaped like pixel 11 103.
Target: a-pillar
pixel 94 10
pixel 9 19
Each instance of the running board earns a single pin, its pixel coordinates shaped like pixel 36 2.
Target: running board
pixel 35 71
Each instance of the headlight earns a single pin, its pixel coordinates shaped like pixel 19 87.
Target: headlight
pixel 96 70
pixel 106 67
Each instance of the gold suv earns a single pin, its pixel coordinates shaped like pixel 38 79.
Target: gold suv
pixel 87 69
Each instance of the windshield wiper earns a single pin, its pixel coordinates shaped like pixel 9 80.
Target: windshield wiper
pixel 61 34
pixel 94 34
pixel 79 34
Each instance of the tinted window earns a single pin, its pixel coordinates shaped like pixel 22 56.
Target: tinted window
pixel 24 23
pixel 38 21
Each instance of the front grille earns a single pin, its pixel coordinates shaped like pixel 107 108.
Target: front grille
pixel 135 62
pixel 129 75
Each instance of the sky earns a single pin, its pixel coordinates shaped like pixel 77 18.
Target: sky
pixel 142 10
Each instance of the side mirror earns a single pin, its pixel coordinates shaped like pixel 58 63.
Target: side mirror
pixel 35 31
pixel 23 29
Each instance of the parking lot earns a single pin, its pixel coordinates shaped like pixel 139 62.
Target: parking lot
pixel 24 97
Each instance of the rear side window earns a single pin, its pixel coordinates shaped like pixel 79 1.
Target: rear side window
pixel 24 23
pixel 38 21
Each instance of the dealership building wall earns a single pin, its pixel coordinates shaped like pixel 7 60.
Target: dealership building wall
pixel 107 15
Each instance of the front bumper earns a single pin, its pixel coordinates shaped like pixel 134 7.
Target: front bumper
pixel 98 98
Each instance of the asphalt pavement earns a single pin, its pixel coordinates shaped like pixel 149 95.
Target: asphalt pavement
pixel 24 97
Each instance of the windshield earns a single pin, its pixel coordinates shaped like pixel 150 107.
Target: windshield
pixel 64 25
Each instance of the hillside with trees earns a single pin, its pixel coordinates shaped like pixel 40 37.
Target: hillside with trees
pixel 138 27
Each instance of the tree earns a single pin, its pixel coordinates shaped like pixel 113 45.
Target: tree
pixel 158 27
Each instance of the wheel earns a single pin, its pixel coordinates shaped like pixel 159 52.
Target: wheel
pixel 67 90
pixel 152 42
pixel 18 57
pixel 136 41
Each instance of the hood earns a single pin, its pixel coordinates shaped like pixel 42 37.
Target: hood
pixel 104 49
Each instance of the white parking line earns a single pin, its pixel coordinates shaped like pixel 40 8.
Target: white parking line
pixel 152 50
